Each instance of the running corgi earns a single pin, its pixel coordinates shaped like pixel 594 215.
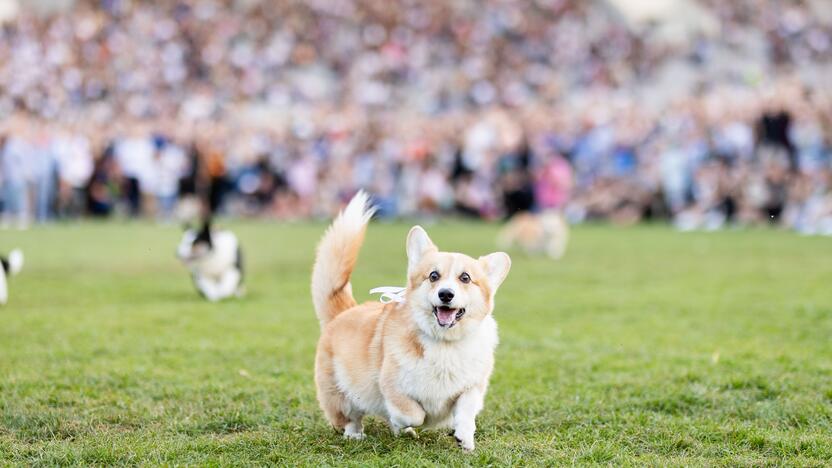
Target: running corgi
pixel 422 362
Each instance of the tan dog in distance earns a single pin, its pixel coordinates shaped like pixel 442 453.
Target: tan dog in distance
pixel 546 233
pixel 425 361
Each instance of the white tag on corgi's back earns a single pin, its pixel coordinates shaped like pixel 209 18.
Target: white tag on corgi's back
pixel 389 294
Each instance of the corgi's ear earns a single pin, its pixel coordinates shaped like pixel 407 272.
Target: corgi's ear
pixel 418 244
pixel 496 266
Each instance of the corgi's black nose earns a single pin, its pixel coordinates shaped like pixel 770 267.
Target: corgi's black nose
pixel 446 295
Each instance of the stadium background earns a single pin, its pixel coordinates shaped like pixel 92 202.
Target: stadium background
pixel 705 113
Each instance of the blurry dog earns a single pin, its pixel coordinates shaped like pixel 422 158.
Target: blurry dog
pixel 544 233
pixel 11 266
pixel 215 260
pixel 425 360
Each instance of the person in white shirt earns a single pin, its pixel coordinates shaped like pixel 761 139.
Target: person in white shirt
pixel 13 156
pixel 134 154
pixel 41 171
pixel 75 165
pixel 169 166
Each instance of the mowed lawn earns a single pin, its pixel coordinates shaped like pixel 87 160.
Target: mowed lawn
pixel 643 346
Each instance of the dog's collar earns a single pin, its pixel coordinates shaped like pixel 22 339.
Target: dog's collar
pixel 389 294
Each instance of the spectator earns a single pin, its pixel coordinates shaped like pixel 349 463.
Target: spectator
pixel 75 167
pixel 286 109
pixel 15 155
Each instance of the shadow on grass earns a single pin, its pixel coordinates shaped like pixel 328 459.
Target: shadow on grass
pixel 379 440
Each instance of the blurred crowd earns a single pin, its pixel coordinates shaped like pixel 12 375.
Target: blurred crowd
pixel 483 109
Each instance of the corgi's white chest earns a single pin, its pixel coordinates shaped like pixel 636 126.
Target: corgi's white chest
pixel 447 369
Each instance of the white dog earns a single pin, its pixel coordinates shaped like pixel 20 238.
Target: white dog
pixel 424 360
pixel 215 260
pixel 11 266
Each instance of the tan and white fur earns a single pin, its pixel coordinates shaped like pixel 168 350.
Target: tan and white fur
pixel 544 233
pixel 424 362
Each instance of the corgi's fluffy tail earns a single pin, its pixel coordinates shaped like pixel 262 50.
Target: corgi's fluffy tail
pixel 14 263
pixel 336 257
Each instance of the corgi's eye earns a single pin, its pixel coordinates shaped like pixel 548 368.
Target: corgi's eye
pixel 465 278
pixel 434 277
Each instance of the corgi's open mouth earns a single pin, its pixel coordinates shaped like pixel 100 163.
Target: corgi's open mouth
pixel 446 316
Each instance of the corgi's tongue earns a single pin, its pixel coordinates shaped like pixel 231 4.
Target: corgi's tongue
pixel 445 315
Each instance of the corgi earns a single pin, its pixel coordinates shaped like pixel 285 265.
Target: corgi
pixel 546 233
pixel 11 266
pixel 423 362
pixel 215 260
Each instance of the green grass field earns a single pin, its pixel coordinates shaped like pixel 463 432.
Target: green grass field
pixel 642 347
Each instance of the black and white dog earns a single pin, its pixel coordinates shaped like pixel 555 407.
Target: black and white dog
pixel 215 260
pixel 11 266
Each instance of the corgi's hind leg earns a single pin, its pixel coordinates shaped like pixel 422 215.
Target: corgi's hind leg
pixel 335 406
pixel 329 396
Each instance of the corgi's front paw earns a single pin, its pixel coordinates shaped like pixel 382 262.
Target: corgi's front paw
pixel 465 441
pixel 354 431
pixel 402 422
pixel 399 430
pixel 354 435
